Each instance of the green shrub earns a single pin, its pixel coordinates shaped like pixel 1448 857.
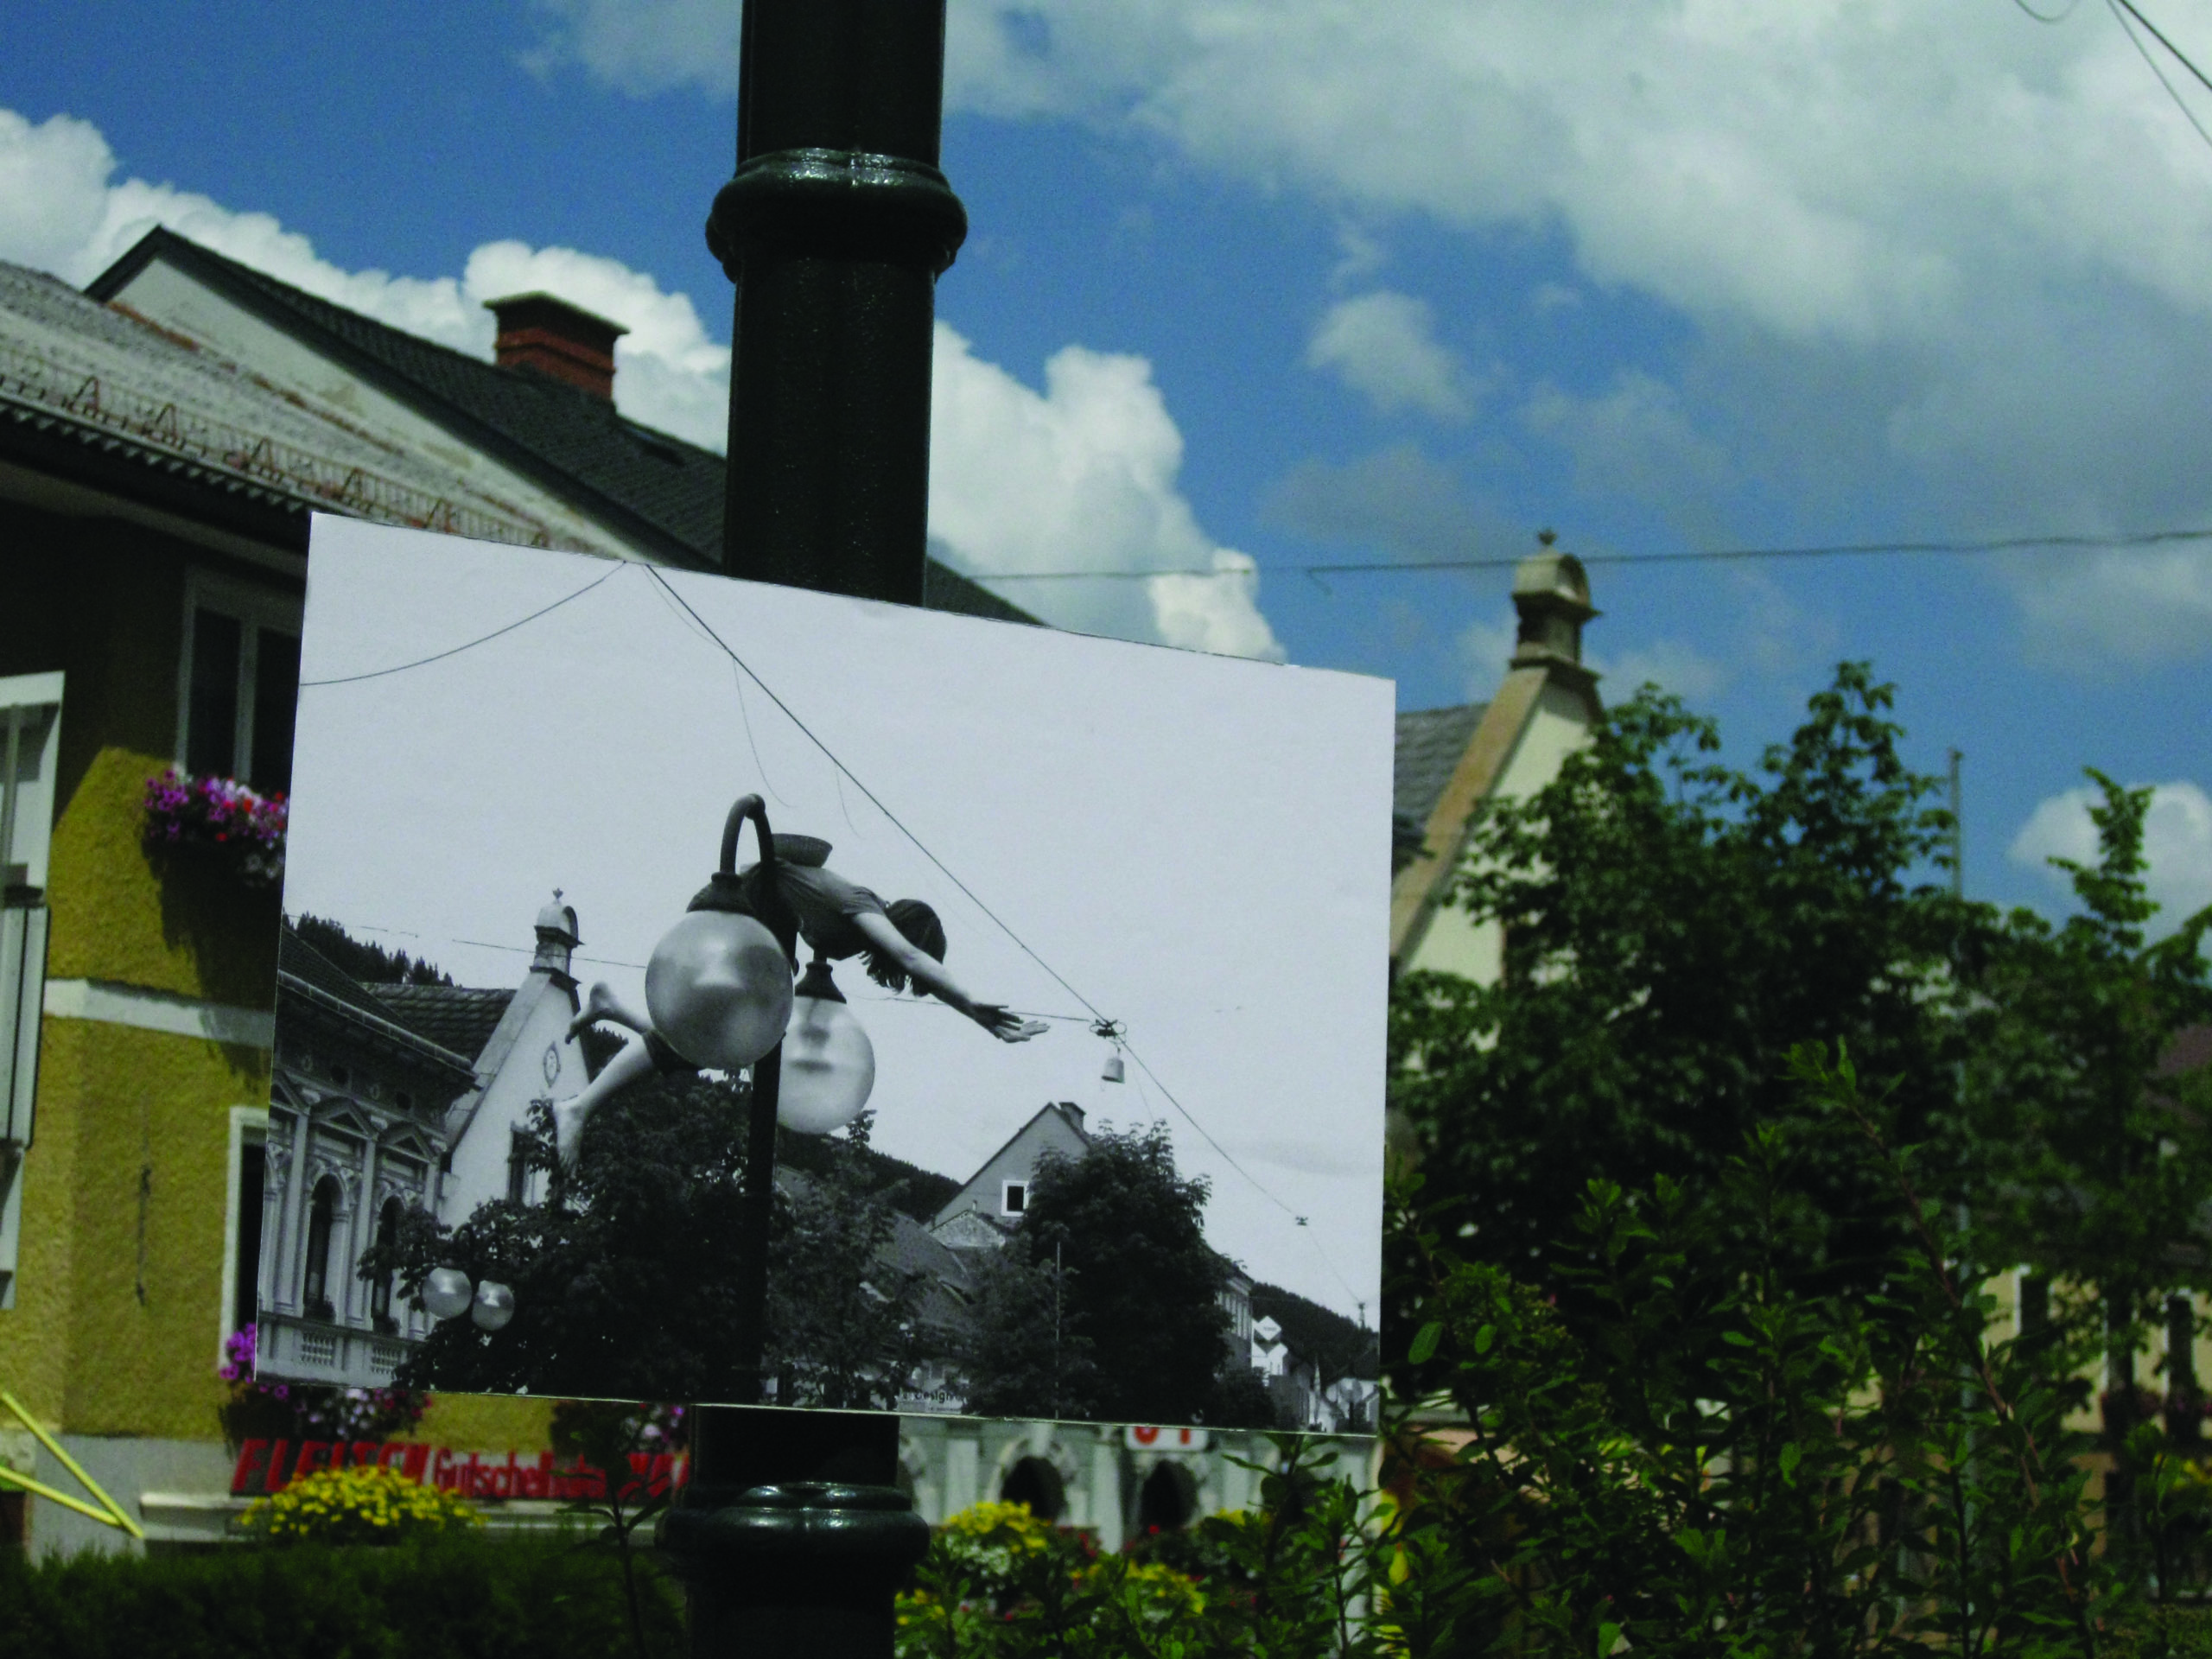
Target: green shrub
pixel 356 1506
pixel 446 1596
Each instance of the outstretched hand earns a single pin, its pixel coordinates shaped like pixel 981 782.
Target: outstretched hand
pixel 1005 1025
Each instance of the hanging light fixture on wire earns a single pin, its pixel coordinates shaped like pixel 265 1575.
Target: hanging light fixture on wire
pixel 1115 1071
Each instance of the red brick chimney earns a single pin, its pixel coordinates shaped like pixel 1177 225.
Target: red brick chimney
pixel 549 336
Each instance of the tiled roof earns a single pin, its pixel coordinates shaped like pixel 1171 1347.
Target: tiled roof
pixel 666 492
pixel 102 388
pixel 296 957
pixel 1430 744
pixel 452 1016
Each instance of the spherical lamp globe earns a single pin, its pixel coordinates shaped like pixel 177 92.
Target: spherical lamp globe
pixel 719 989
pixel 829 1064
pixel 494 1307
pixel 447 1293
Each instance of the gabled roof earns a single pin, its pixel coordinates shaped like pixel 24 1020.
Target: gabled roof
pixel 98 396
pixel 1066 1111
pixel 302 962
pixel 664 494
pixel 1430 742
pixel 305 973
pixel 454 1016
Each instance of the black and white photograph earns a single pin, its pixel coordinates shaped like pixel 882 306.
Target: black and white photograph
pixel 697 989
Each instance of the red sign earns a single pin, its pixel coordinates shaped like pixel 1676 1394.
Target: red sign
pixel 272 1465
pixel 1145 1437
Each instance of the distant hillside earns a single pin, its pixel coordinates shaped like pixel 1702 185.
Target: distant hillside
pixel 370 963
pixel 923 1191
pixel 1338 1345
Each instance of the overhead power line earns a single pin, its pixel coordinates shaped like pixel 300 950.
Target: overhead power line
pixel 2124 9
pixel 2158 35
pixel 974 897
pixel 465 644
pixel 1838 551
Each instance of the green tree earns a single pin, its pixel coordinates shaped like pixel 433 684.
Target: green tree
pixel 1748 1463
pixel 1673 927
pixel 2099 1161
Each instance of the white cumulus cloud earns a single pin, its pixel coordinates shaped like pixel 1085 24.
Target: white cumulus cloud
pixel 2176 845
pixel 1383 345
pixel 1081 476
pixel 1916 242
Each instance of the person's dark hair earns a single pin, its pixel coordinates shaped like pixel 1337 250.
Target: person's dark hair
pixel 924 931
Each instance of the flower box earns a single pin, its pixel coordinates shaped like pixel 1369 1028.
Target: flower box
pixel 218 819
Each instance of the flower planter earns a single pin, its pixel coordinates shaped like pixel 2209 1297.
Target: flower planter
pixel 218 823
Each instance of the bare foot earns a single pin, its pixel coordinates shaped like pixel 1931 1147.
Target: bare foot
pixel 600 1001
pixel 568 1119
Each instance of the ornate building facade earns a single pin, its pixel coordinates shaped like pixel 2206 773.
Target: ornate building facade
pixel 385 1099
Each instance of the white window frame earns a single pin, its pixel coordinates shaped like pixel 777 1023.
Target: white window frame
pixel 1006 1189
pixel 27 809
pixel 254 608
pixel 249 1127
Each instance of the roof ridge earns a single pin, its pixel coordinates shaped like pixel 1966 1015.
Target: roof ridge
pixel 292 292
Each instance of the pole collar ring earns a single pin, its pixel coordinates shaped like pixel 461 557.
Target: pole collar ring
pixel 838 204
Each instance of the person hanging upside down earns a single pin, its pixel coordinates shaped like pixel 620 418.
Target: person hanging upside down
pixel 903 943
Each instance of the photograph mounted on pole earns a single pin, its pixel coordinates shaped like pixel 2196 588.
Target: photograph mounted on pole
pixel 916 1013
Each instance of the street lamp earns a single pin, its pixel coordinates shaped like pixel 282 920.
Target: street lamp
pixel 835 229
pixel 493 1305
pixel 448 1293
pixel 829 1062
pixel 1112 1030
pixel 718 985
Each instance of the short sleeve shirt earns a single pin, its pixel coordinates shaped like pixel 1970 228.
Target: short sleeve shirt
pixel 825 903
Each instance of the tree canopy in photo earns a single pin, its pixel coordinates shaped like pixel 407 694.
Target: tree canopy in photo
pixel 1143 1333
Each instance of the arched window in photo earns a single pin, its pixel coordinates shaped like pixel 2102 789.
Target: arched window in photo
pixel 315 1287
pixel 1168 1500
pixel 1036 1485
pixel 380 1286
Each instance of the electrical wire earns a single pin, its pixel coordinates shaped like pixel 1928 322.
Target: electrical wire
pixel 973 897
pixel 469 644
pixel 2121 11
pixel 1841 550
pixel 2158 35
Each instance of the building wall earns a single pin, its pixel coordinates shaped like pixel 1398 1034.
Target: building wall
pixel 534 1060
pixel 1453 942
pixel 1049 1131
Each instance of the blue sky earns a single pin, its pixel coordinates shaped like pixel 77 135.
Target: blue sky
pixel 1286 282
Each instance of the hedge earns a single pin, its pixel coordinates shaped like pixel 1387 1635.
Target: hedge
pixel 457 1595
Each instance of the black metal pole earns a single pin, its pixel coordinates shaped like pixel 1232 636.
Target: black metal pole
pixel 792 1534
pixel 752 1230
pixel 835 229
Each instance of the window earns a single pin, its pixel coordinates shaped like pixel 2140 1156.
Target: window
pixel 1035 1485
pixel 245 1265
pixel 380 1286
pixel 518 1166
pixel 322 1213
pixel 1014 1198
pixel 239 1289
pixel 238 683
pixel 31 747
